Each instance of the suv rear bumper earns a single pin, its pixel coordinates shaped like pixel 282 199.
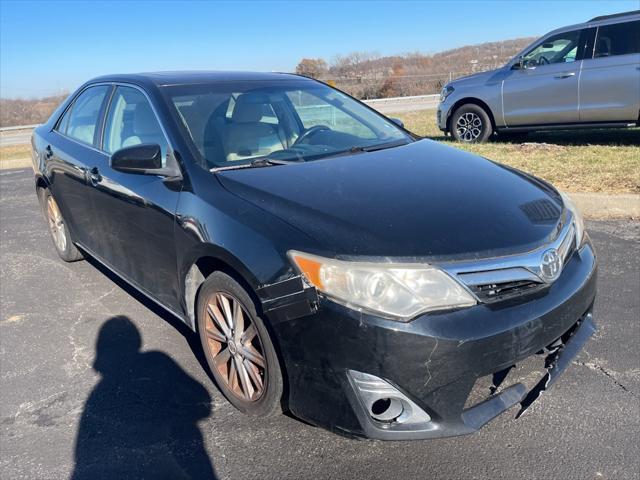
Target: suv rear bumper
pixel 436 359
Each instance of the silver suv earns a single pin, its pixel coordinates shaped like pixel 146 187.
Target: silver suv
pixel 585 75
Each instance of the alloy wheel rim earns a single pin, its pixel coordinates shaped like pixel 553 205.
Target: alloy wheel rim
pixel 56 224
pixel 235 347
pixel 469 126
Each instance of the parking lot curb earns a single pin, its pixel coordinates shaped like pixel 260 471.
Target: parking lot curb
pixel 605 205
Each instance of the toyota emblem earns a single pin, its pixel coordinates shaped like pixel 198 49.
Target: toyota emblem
pixel 550 265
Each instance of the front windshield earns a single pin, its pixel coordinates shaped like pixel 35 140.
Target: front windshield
pixel 242 123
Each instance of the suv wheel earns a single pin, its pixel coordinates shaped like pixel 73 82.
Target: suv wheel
pixel 60 235
pixel 237 347
pixel 471 124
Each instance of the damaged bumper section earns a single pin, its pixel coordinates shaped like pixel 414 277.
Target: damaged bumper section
pixel 442 374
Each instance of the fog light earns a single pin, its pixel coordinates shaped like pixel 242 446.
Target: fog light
pixel 386 409
pixel 385 403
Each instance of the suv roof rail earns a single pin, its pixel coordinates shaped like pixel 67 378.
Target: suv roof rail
pixel 614 15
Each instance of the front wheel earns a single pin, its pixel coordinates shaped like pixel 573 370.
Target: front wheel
pixel 237 347
pixel 471 124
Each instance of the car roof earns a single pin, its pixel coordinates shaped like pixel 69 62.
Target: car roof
pixel 601 20
pixel 162 79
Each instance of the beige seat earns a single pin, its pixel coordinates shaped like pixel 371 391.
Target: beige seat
pixel 84 133
pixel 145 128
pixel 246 136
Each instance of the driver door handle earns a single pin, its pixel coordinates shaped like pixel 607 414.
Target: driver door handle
pixel 566 75
pixel 94 176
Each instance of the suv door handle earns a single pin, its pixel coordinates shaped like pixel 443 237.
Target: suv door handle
pixel 565 75
pixel 94 176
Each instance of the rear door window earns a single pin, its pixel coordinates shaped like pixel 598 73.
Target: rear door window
pixel 618 39
pixel 84 115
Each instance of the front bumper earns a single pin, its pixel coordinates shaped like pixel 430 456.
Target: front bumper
pixel 436 359
pixel 442 114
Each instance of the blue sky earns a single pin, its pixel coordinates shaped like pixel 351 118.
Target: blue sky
pixel 50 46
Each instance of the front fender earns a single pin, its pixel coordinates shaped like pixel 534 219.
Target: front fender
pixel 220 231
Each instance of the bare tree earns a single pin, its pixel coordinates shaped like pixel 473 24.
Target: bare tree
pixel 312 67
pixel 18 111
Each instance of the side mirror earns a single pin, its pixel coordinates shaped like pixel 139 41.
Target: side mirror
pixel 398 122
pixel 145 159
pixel 137 159
pixel 519 65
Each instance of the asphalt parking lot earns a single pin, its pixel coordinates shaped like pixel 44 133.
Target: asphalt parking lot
pixel 138 403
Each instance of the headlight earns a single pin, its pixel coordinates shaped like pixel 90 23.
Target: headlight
pixel 445 92
pixel 399 291
pixel 578 221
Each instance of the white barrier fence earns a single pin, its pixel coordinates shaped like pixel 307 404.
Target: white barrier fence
pixel 19 127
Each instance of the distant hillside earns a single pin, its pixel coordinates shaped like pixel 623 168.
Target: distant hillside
pixel 20 111
pixel 367 75
pixel 362 74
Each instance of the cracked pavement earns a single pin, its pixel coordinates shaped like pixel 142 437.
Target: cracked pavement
pixel 159 415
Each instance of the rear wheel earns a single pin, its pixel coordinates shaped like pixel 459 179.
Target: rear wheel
pixel 238 348
pixel 60 235
pixel 471 124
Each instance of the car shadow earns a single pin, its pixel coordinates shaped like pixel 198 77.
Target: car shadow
pixel 141 418
pixel 605 137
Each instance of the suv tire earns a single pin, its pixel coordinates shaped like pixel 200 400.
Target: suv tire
pixel 470 123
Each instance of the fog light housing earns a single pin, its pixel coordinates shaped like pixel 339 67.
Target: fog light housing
pixel 384 403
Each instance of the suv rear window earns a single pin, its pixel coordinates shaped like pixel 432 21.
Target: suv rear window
pixel 618 39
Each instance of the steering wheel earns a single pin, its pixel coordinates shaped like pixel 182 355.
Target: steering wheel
pixel 543 60
pixel 309 132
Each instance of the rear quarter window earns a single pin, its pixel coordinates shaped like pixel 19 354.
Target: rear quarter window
pixel 618 39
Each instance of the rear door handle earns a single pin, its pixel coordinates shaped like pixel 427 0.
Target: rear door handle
pixel 566 75
pixel 94 176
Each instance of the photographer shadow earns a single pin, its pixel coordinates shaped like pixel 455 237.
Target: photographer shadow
pixel 140 420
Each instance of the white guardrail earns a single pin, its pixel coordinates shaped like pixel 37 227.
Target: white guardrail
pixel 386 103
pixel 19 127
pixel 411 99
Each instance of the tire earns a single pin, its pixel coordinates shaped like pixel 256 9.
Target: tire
pixel 470 123
pixel 58 228
pixel 243 360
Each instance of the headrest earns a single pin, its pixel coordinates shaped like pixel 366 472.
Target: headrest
pixel 249 108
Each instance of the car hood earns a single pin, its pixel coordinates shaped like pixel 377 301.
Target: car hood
pixel 420 200
pixel 479 78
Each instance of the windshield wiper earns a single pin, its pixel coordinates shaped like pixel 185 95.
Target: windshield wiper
pixel 255 163
pixel 381 146
pixel 368 148
pixel 266 161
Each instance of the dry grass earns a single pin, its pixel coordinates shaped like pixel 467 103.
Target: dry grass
pixel 15 156
pixel 575 161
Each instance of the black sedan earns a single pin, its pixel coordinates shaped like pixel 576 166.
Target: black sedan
pixel 333 264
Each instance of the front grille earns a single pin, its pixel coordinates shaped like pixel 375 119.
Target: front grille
pixel 500 278
pixel 495 292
